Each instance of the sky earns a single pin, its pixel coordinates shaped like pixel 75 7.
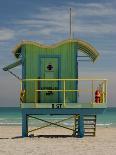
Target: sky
pixel 47 21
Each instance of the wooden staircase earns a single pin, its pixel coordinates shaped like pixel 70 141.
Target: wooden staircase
pixel 90 125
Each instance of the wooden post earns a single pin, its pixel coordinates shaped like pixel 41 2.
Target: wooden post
pixel 81 126
pixel 24 124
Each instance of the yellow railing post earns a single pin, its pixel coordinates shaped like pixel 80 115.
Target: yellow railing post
pixel 35 91
pixel 92 99
pixel 64 88
pixel 64 93
pixel 105 91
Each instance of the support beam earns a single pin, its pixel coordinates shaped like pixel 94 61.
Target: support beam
pixel 81 126
pixel 15 64
pixel 50 124
pixel 24 125
pixel 75 132
pixel 78 130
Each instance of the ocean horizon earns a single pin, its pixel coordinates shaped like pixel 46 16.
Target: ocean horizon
pixel 12 116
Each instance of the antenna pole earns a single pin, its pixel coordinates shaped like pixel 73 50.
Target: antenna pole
pixel 70 25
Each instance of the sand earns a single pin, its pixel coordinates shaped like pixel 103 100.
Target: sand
pixel 11 142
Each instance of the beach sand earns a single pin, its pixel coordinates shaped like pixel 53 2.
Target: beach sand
pixel 11 142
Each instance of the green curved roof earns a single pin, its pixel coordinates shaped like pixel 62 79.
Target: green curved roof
pixel 83 46
pixel 88 49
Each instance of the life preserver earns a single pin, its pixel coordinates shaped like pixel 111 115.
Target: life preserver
pixel 22 95
pixel 97 96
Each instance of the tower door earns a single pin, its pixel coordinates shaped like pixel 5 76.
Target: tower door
pixel 49 70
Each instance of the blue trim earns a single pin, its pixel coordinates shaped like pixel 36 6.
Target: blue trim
pixel 63 111
pixel 59 71
pixel 23 67
pixel 81 126
pixel 24 124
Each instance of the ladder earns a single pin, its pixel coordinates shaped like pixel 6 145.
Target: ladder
pixel 90 125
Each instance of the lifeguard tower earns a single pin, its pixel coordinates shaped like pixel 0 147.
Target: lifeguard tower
pixel 50 84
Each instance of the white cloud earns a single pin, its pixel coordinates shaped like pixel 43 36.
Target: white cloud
pixel 100 28
pixel 6 34
pixel 94 9
pixel 56 19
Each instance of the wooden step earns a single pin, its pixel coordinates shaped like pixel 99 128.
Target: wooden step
pixel 90 124
pixel 90 135
pixel 89 128
pixel 89 119
pixel 89 132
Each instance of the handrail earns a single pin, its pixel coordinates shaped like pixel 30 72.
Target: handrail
pixel 78 79
pixel 102 86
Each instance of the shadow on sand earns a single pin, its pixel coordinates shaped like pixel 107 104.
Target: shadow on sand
pixel 44 136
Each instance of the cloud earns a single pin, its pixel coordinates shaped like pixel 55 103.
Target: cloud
pixel 94 28
pixel 6 34
pixel 86 18
pixel 94 9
